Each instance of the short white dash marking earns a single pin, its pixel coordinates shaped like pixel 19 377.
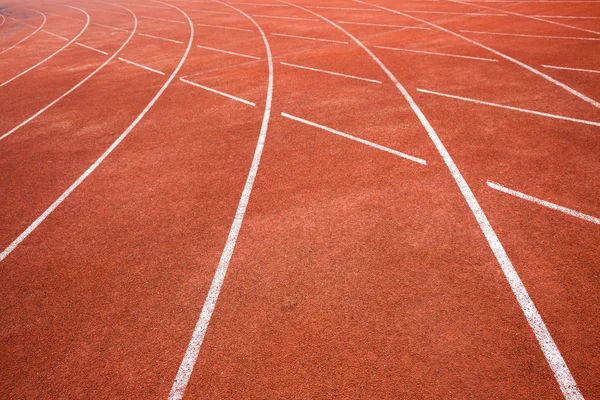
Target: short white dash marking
pixel 356 139
pixel 309 38
pixel 330 72
pixel 160 38
pixel 106 11
pixel 111 27
pixel 228 52
pixel 453 13
pixel 141 66
pixel 91 48
pixel 344 8
pixel 163 20
pixel 563 17
pixel 529 35
pixel 290 18
pixel 211 12
pixel 594 71
pixel 259 4
pixel 55 35
pixel 436 53
pixel 218 92
pixel 225 27
pixel 382 25
pixel 544 203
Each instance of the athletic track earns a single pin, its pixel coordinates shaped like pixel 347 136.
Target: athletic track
pixel 303 199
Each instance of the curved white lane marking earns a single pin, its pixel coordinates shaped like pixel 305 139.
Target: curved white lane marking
pixel 65 94
pixel 28 36
pixel 3 19
pixel 555 360
pixel 87 23
pixel 191 355
pixel 95 165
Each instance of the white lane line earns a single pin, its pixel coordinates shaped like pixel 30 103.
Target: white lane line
pixel 3 19
pixel 528 35
pixel 142 5
pixel 232 97
pixel 496 52
pixel 594 71
pixel 55 35
pixel 111 27
pixel 163 20
pixel 344 8
pixel 87 23
pixel 141 66
pixel 65 94
pixel 555 360
pixel 356 139
pixel 95 165
pixel 381 25
pixel 91 48
pixel 544 203
pixel 290 18
pixel 225 27
pixel 308 38
pixel 564 17
pixel 28 36
pixel 330 72
pixel 210 12
pixel 106 11
pixel 453 13
pixel 436 53
pixel 161 38
pixel 523 110
pixel 259 4
pixel 228 52
pixel 65 17
pixel 191 355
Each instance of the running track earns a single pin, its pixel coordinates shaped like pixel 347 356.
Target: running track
pixel 303 199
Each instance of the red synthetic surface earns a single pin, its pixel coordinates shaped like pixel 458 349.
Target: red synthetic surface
pixel 357 273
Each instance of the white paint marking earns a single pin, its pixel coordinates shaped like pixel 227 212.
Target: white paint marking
pixel 357 139
pixel 344 8
pixel 225 27
pixel 564 17
pixel 141 66
pixel 381 25
pixel 330 72
pixel 259 4
pixel 87 23
pixel 3 19
pixel 91 48
pixel 594 71
pixel 290 18
pixel 191 355
pixel 28 36
pixel 106 11
pixel 55 35
pixel 232 97
pixel 161 38
pixel 528 35
pixel 65 17
pixel 78 84
pixel 453 13
pixel 228 52
pixel 523 110
pixel 544 203
pixel 211 12
pixel 144 5
pixel 549 348
pixel 308 38
pixel 163 20
pixel 436 53
pixel 111 27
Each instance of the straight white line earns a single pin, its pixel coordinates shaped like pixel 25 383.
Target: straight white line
pixel 91 48
pixel 572 69
pixel 141 66
pixel 111 27
pixel 105 11
pixel 344 8
pixel 55 35
pixel 259 4
pixel 225 27
pixel 544 203
pixel 95 165
pixel 228 52
pixel 308 38
pixel 28 36
pixel 65 94
pixel 437 54
pixel 523 110
pixel 191 355
pixel 65 17
pixel 549 348
pixel 232 97
pixel 357 139
pixel 564 17
pixel 330 72
pixel 382 25
pixel 210 12
pixel 163 20
pixel 87 23
pixel 290 18
pixel 160 38
pixel 528 35
pixel 453 13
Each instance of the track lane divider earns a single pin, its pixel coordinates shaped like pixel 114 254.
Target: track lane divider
pixel 28 36
pixel 229 96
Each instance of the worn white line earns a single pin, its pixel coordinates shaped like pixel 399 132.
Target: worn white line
pixel 55 35
pixel 437 54
pixel 528 35
pixel 308 38
pixel 65 94
pixel 163 19
pixel 453 13
pixel 228 52
pixel 141 66
pixel 544 203
pixel 594 71
pixel 381 25
pixel 356 139
pixel 564 16
pixel 3 19
pixel 290 18
pixel 91 48
pixel 143 5
pixel 225 27
pixel 65 17
pixel 330 72
pixel 160 38
pixel 232 97
pixel 28 36
pixel 259 4
pixel 210 12
pixel 87 23
pixel 191 355
pixel 549 348
pixel 111 27
pixel 523 110
pixel 106 11
pixel 496 52
pixel 344 8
